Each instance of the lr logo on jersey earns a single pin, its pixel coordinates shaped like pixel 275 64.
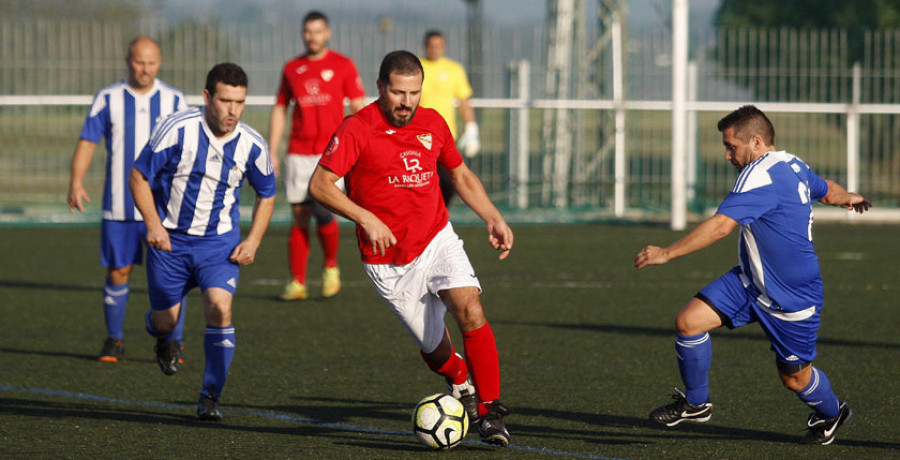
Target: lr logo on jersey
pixel 416 175
pixel 412 165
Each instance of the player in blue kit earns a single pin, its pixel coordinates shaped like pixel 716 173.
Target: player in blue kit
pixel 777 282
pixel 187 182
pixel 123 114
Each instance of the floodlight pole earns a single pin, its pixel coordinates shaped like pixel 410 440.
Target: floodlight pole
pixel 679 112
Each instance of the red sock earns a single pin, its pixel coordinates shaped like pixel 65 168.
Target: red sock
pixel 298 252
pixel 454 368
pixel 484 363
pixel 329 237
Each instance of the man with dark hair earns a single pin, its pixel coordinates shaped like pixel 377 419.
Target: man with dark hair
pixel 389 153
pixel 123 114
pixel 776 284
pixel 186 182
pixel 317 84
pixel 446 85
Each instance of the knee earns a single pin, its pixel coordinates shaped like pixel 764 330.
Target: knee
pixel 164 320
pixel 793 382
pixel 471 316
pixel 119 276
pixel 794 378
pixel 302 215
pixel 218 315
pixel 686 325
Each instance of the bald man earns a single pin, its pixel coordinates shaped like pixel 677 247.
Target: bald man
pixel 123 114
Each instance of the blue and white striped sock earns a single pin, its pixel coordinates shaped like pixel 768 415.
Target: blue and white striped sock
pixel 219 344
pixel 819 396
pixel 694 358
pixel 115 298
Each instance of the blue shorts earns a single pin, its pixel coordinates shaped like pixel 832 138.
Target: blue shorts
pixel 194 261
pixel 121 242
pixel 794 342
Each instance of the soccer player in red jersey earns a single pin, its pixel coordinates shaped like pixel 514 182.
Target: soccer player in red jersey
pixel 317 84
pixel 388 154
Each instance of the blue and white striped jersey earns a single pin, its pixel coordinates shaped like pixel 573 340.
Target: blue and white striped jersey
pixel 196 178
pixel 772 199
pixel 126 119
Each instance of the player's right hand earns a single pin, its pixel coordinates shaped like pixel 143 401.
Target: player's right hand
pixel 380 236
pixel 500 237
pixel 77 195
pixel 158 238
pixel 651 255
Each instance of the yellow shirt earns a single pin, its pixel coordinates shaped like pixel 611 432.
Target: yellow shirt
pixel 445 82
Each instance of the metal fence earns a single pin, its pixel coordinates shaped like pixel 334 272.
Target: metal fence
pixel 803 79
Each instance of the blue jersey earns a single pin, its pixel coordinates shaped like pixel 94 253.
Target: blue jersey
pixel 772 200
pixel 126 119
pixel 196 178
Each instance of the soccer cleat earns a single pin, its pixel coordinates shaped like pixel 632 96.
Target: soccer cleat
pixel 492 429
pixel 822 431
pixel 112 351
pixel 681 410
pixel 208 409
pixel 465 393
pixel 167 356
pixel 331 282
pixel 294 291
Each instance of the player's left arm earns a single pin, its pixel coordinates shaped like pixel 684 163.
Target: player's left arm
pixel 711 230
pixel 245 252
pixel 471 190
pixel 839 196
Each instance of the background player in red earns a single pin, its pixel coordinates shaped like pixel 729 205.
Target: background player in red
pixel 389 153
pixel 316 83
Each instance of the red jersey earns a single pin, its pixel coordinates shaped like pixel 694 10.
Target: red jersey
pixel 318 89
pixel 392 172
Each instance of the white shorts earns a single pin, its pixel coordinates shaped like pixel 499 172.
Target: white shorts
pixel 298 170
pixel 412 289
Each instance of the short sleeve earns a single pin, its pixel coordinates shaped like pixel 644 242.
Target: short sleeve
pixel 745 207
pixel 344 148
pixel 96 124
pixel 818 188
pixel 353 85
pixel 450 156
pixel 462 90
pixel 284 94
pixel 260 172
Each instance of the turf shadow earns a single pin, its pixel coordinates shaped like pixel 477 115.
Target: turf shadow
pixel 621 429
pixel 339 410
pixel 186 418
pixel 58 287
pixel 723 334
pixel 52 354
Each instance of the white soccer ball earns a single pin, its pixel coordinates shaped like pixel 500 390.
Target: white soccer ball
pixel 440 421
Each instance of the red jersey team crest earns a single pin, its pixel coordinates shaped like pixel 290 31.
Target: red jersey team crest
pixel 425 139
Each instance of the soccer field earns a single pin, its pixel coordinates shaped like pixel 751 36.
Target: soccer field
pixel 585 341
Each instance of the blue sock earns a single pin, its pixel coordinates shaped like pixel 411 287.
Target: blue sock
pixel 115 297
pixel 179 326
pixel 694 358
pixel 218 343
pixel 819 396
